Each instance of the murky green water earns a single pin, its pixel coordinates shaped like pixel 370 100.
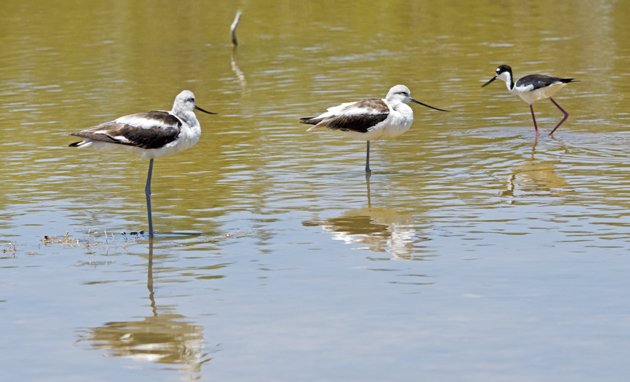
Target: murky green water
pixel 472 254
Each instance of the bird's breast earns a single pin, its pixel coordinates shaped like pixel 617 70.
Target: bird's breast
pixel 188 137
pixel 397 123
pixel 531 96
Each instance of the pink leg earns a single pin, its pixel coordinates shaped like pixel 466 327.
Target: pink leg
pixel 531 108
pixel 566 115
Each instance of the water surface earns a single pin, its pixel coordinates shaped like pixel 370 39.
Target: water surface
pixel 472 253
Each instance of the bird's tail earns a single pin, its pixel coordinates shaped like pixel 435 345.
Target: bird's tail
pixel 309 120
pixel 83 143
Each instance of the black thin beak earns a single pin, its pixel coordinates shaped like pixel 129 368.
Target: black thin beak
pixel 205 111
pixel 425 105
pixel 489 82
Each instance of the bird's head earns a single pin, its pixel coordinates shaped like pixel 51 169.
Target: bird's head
pixel 503 72
pixel 185 101
pixel 402 94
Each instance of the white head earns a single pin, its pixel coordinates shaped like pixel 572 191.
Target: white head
pixel 185 102
pixel 401 94
pixel 398 94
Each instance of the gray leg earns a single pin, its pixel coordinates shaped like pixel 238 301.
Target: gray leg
pixel 147 192
pixel 367 158
pixel 369 192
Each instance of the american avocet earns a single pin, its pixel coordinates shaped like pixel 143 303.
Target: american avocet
pixel 370 119
pixel 153 134
pixel 532 88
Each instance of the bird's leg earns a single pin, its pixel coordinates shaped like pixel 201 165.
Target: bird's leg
pixel 147 192
pixel 369 192
pixel 150 279
pixel 534 148
pixel 367 159
pixel 531 108
pixel 566 115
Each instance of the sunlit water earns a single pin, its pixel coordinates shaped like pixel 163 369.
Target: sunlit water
pixel 472 253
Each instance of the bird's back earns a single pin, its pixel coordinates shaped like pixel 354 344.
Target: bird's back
pixel 357 117
pixel 537 81
pixel 150 130
pixel 535 87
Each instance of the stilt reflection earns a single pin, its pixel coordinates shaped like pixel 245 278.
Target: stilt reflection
pixel 534 176
pixel 164 336
pixel 378 229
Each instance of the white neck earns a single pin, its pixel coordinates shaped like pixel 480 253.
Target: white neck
pixel 188 117
pixel 509 82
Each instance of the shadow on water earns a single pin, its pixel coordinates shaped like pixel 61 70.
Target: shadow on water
pixel 163 336
pixel 378 229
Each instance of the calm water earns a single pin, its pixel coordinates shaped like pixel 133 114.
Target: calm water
pixel 472 253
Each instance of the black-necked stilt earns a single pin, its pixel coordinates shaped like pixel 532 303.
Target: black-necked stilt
pixel 370 119
pixel 532 88
pixel 153 134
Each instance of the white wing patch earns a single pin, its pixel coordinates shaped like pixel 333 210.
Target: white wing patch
pixel 335 110
pixel 523 89
pixel 144 122
pixel 360 110
pixel 349 108
pixel 122 139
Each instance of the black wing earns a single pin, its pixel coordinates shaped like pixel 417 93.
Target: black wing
pixel 538 81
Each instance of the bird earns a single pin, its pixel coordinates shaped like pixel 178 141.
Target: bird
pixel 152 134
pixel 532 88
pixel 370 119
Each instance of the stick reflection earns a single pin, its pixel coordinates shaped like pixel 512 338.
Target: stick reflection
pixel 237 70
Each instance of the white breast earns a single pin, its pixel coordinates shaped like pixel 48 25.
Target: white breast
pixel 397 123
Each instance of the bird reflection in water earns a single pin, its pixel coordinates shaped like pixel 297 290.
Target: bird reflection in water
pixel 163 337
pixel 379 230
pixel 534 177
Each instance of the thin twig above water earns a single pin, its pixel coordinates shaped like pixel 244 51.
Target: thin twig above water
pixel 233 27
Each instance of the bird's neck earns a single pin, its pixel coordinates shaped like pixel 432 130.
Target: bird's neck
pixel 188 117
pixel 395 104
pixel 403 109
pixel 509 82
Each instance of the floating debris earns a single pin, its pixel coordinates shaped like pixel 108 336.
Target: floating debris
pixel 95 240
pixel 134 233
pixel 9 249
pixel 64 240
